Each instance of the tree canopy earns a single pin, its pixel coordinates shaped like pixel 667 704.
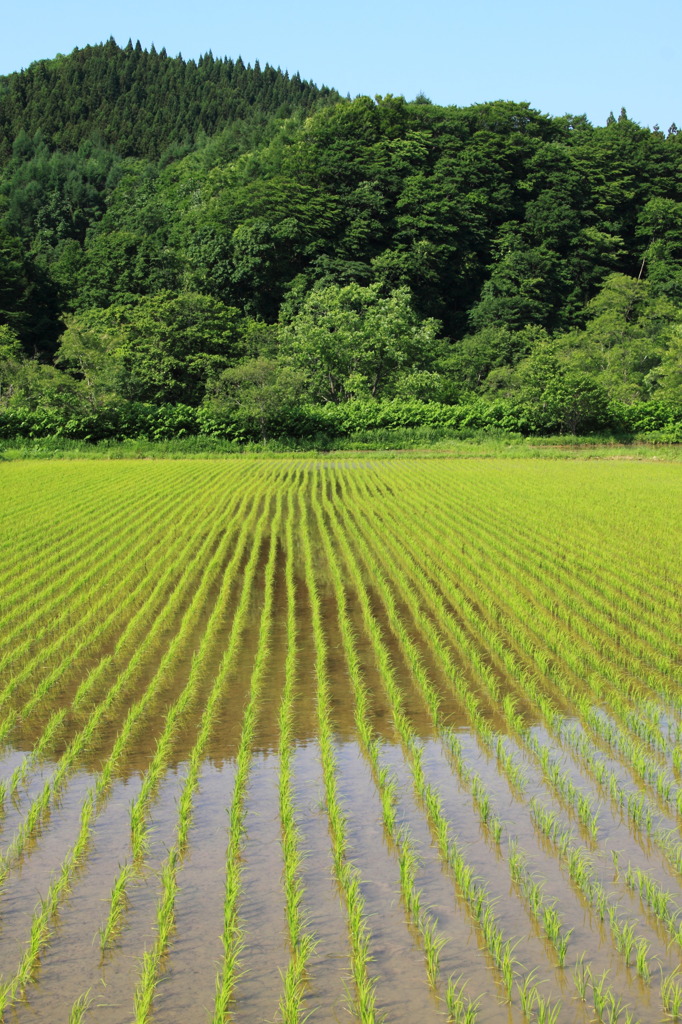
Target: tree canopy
pixel 166 223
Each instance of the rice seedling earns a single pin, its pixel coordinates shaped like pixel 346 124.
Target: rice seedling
pixel 118 904
pixel 671 995
pixel 80 1008
pixel 461 1009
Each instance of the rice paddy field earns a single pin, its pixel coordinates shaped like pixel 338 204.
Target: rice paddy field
pixel 354 740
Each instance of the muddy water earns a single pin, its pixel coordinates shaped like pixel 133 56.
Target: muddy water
pixel 71 963
pixel 267 948
pixel 189 988
pixel 398 961
pixel 328 993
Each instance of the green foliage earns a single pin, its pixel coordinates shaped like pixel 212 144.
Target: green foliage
pixel 558 399
pixel 143 102
pixel 626 337
pixel 124 420
pixel 353 342
pixel 28 299
pixel 262 392
pixel 178 217
pixel 161 348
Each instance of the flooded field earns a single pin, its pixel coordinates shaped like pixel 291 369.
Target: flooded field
pixel 288 740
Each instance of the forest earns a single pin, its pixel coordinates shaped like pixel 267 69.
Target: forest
pixel 209 247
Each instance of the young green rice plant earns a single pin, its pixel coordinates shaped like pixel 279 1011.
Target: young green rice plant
pixel 528 993
pixel 546 1012
pixel 614 1008
pixel 508 963
pixel 294 982
pixel 642 959
pixel 514 771
pixel 388 791
pixel 433 946
pixel 671 995
pixel 624 935
pixel 7 727
pixel 140 832
pixel 408 863
pixel 152 959
pixel 144 993
pixel 118 904
pixel 461 1009
pixel 80 1008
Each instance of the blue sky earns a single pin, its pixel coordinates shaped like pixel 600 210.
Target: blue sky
pixel 584 57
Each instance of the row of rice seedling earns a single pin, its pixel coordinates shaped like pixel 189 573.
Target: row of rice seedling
pixel 542 909
pixel 662 904
pixel 301 937
pixel 232 937
pixel 346 873
pixel 12 988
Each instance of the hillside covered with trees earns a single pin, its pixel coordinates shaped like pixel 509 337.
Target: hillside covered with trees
pixel 210 247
